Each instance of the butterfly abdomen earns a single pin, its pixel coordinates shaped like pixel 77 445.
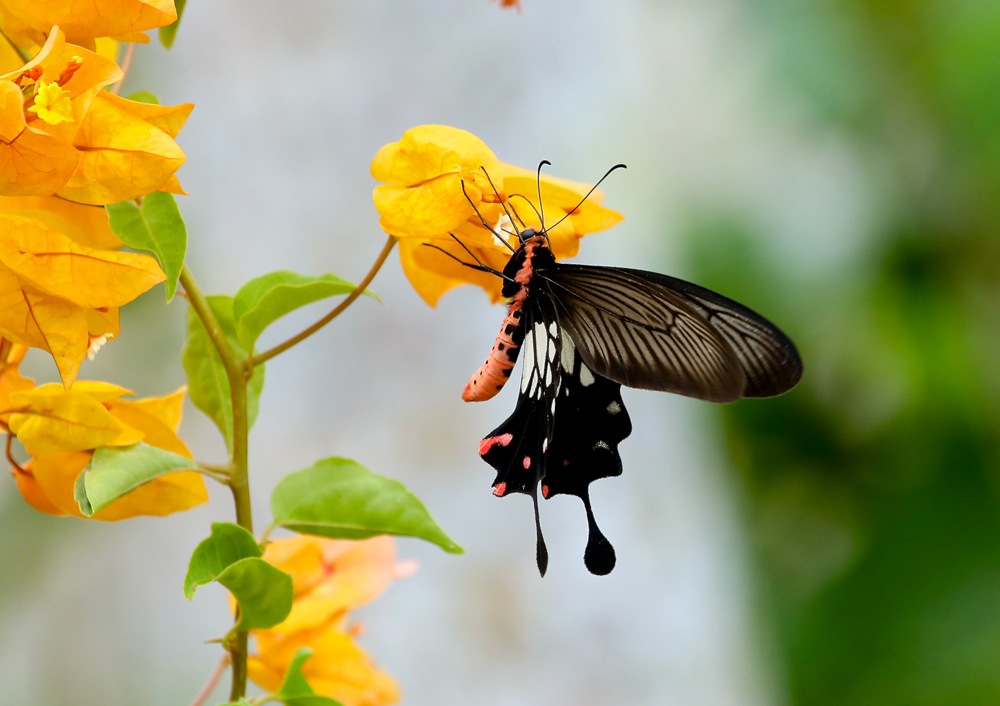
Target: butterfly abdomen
pixel 493 374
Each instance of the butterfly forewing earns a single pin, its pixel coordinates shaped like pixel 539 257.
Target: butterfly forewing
pixel 647 330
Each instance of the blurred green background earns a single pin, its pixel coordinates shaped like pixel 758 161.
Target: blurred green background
pixel 872 494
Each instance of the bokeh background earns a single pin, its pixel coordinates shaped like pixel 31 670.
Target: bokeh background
pixel 832 163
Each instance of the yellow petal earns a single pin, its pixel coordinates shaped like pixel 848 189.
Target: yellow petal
pixel 168 409
pixel 435 206
pixel 354 573
pixel 55 474
pixel 338 669
pixel 48 486
pixel 429 151
pixel 122 155
pixel 87 225
pixel 424 175
pixel 431 273
pixel 98 18
pixel 169 118
pixel 174 492
pixel 36 319
pixel 144 419
pixel 54 420
pixel 103 392
pixel 87 277
pixel 11 111
pixel 11 382
pixel 35 164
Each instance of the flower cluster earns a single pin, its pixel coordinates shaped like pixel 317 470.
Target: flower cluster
pixel 67 148
pixel 440 184
pixel 60 430
pixel 330 578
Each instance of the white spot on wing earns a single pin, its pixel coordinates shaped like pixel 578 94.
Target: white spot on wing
pixel 566 354
pixel 614 407
pixel 586 376
pixel 528 362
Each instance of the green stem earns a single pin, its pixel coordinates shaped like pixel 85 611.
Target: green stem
pixel 239 482
pixel 261 358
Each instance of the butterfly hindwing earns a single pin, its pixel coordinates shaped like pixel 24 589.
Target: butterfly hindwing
pixel 563 434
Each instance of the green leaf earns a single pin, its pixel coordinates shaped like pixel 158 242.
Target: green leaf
pixel 157 227
pixel 169 33
pixel 295 690
pixel 230 556
pixel 227 544
pixel 144 97
pixel 264 300
pixel 208 386
pixel 341 499
pixel 116 471
pixel 263 592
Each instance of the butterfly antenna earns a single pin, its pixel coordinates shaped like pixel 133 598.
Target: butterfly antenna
pixel 532 207
pixel 508 209
pixel 538 187
pixel 480 215
pixel 480 265
pixel 587 195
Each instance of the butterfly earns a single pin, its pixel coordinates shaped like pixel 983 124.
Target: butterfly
pixel 587 330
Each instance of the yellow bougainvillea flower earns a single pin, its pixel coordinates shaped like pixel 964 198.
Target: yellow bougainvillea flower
pixel 61 296
pixel 60 133
pixel 440 181
pixel 60 430
pixel 330 578
pixel 27 21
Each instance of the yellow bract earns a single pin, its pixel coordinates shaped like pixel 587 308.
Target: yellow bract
pixel 330 578
pixel 58 295
pixel 60 429
pixel 28 20
pixel 77 141
pixel 440 182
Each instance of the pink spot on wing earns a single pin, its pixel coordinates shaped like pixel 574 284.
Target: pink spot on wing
pixel 499 489
pixel 489 442
pixel 526 462
pixel 545 491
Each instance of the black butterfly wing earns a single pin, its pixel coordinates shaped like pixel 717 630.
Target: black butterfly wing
pixel 652 331
pixel 563 434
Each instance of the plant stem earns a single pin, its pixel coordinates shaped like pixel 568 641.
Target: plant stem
pixel 239 482
pixel 306 333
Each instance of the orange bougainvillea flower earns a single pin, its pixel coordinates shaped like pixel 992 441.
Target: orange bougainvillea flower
pixel 60 430
pixel 27 21
pixel 440 182
pixel 59 295
pixel 330 578
pixel 60 133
